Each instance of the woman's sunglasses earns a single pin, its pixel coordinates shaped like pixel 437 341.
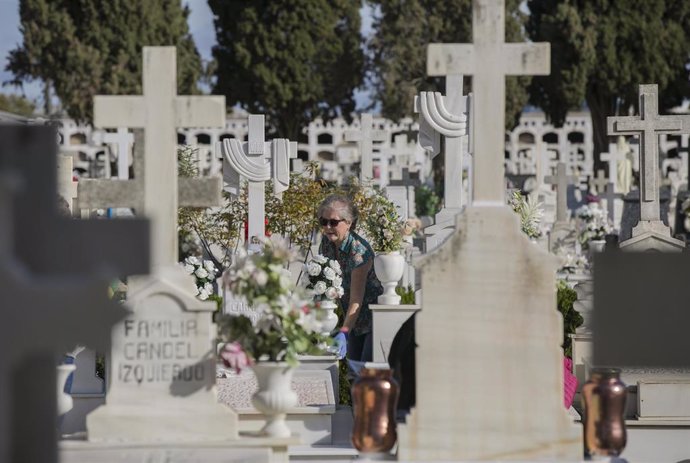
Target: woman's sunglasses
pixel 331 222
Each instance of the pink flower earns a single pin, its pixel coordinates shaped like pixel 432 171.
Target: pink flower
pixel 235 357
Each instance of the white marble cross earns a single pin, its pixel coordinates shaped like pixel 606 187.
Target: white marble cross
pixel 123 140
pixel 489 59
pixel 365 137
pixel 448 116
pixel 258 161
pixel 67 187
pixel 561 180
pixel 610 196
pixel 613 156
pixel 160 111
pixel 648 125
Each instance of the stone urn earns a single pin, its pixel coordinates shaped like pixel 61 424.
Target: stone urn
pixel 274 396
pixel 64 400
pixel 389 268
pixel 326 316
pixel 595 246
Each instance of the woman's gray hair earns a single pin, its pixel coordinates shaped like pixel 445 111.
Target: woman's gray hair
pixel 341 203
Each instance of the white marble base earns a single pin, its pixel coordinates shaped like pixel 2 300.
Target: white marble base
pixel 387 320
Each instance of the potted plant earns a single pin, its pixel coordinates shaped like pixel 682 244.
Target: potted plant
pixel 384 229
pixel 286 328
pixel 325 283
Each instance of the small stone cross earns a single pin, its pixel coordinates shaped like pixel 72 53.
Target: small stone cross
pixel 406 179
pixel 561 180
pixel 613 156
pixel 160 111
pixel 365 137
pixel 489 59
pixel 123 139
pixel 648 125
pixel 610 196
pixel 258 161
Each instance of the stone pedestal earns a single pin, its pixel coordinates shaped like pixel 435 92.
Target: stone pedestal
pixel 387 320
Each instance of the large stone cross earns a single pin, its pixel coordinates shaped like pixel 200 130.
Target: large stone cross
pixel 648 125
pixel 54 272
pixel 561 180
pixel 489 59
pixel 365 137
pixel 447 116
pixel 159 111
pixel 123 140
pixel 258 161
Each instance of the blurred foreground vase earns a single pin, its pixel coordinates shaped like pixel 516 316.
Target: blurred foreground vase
pixel 604 396
pixel 375 399
pixel 389 268
pixel 275 396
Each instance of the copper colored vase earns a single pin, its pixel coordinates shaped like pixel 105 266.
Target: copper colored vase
pixel 604 395
pixel 374 398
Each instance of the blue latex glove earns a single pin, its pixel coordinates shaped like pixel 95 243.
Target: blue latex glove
pixel 341 344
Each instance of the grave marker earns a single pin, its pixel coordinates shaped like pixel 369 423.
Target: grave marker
pixel 67 187
pixel 650 232
pixel 365 137
pixel 123 140
pixel 503 412
pixel 258 161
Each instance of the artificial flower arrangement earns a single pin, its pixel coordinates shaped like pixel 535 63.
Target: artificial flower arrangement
pixel 383 225
pixel 287 324
pixel 530 212
pixel 204 272
pixel 325 278
pixel 592 224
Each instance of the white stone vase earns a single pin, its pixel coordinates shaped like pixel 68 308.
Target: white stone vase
pixel 275 396
pixel 326 316
pixel 64 400
pixel 389 268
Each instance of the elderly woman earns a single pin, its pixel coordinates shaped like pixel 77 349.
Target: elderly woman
pixel 337 217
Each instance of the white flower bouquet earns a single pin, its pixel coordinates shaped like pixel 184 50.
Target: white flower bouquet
pixel 287 324
pixel 325 278
pixel 205 273
pixel 383 224
pixel 531 213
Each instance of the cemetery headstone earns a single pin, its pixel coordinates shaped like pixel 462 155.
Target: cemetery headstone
pixel 161 368
pixel 123 140
pixel 652 231
pixel 503 411
pixel 67 187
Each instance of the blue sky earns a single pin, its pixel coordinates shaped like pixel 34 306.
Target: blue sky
pixel 200 25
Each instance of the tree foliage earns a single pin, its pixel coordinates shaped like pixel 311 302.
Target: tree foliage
pixel 402 32
pixel 17 105
pixel 86 47
pixel 290 60
pixel 601 50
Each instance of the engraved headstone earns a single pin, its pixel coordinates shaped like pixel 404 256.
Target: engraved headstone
pixel 161 368
pixel 503 412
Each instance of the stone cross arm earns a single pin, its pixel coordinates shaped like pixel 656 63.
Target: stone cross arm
pixel 130 111
pixel 192 192
pixel 517 59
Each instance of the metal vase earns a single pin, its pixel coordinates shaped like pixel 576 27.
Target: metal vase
pixel 375 399
pixel 604 396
